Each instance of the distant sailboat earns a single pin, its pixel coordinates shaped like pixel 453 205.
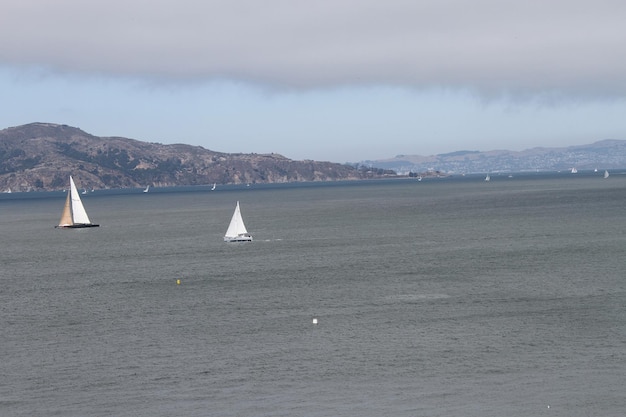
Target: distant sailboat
pixel 606 174
pixel 147 189
pixel 574 171
pixel 74 215
pixel 487 178
pixel 237 229
pixel 213 189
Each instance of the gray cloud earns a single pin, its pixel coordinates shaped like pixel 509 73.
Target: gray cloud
pixel 494 47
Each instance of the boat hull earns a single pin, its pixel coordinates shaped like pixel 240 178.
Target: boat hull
pixel 76 226
pixel 240 238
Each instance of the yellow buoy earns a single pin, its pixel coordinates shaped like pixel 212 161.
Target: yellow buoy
pixel 177 282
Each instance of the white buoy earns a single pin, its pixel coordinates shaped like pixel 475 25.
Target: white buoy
pixel 314 321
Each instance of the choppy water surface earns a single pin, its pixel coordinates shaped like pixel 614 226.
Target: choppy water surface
pixel 433 298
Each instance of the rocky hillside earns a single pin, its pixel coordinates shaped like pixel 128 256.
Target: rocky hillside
pixel 605 154
pixel 41 156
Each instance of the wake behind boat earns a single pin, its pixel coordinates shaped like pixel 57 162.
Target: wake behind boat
pixel 74 215
pixel 237 229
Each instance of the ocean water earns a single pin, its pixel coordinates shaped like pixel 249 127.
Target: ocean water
pixel 451 297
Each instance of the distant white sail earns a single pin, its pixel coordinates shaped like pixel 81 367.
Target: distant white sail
pixel 606 174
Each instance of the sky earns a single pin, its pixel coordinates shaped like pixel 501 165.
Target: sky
pixel 328 80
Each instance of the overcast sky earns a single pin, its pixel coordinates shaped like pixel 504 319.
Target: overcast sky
pixel 337 80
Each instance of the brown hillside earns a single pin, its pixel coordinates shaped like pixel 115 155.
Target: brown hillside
pixel 41 156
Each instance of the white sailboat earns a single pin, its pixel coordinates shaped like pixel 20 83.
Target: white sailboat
pixel 606 174
pixel 147 189
pixel 74 215
pixel 488 178
pixel 213 189
pixel 237 229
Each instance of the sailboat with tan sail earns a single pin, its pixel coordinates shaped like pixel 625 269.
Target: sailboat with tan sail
pixel 74 215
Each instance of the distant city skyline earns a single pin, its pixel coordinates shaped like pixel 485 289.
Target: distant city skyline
pixel 340 81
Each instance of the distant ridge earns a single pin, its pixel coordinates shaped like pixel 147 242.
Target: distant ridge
pixel 41 156
pixel 604 154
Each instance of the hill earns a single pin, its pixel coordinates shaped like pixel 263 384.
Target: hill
pixel 41 156
pixel 605 154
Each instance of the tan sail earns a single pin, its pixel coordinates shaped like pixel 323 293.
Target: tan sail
pixel 66 217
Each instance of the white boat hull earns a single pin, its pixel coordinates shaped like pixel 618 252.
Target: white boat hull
pixel 240 238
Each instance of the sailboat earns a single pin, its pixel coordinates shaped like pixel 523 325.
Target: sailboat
pixel 606 174
pixel 236 229
pixel 74 215
pixel 488 178
pixel 213 188
pixel 147 189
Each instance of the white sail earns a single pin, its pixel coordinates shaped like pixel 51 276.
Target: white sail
pixel 79 215
pixel 237 231
pixel 606 174
pixel 74 214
